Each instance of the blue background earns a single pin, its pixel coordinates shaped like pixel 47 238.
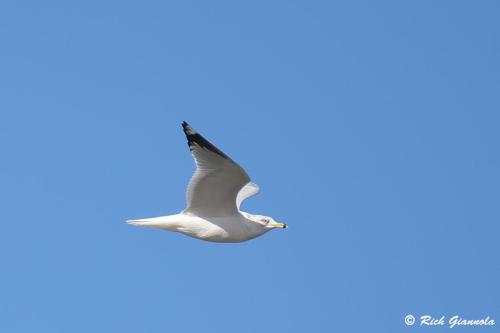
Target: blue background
pixel 372 129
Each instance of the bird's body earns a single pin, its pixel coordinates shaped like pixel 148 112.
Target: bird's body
pixel 214 195
pixel 230 229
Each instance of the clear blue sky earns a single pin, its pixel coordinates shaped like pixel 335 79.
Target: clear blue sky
pixel 371 127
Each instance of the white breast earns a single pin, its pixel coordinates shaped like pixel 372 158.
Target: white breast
pixel 223 230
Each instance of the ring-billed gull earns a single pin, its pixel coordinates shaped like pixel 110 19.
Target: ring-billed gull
pixel 214 195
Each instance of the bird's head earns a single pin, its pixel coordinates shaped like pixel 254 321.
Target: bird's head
pixel 268 222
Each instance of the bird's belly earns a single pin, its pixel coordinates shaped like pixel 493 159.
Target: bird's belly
pixel 217 231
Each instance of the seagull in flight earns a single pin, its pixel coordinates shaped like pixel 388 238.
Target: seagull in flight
pixel 214 195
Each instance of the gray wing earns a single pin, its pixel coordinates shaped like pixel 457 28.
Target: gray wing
pixel 213 188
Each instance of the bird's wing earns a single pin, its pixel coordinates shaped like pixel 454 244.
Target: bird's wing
pixel 247 191
pixel 213 189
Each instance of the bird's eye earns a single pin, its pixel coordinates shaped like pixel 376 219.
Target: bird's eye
pixel 265 220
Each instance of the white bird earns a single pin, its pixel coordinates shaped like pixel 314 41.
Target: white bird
pixel 214 195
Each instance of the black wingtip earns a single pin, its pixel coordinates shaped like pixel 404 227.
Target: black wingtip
pixel 188 130
pixel 194 137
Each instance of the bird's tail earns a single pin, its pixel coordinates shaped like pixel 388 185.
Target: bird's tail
pixel 143 222
pixel 170 222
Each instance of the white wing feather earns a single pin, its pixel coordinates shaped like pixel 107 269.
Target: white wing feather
pixel 247 191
